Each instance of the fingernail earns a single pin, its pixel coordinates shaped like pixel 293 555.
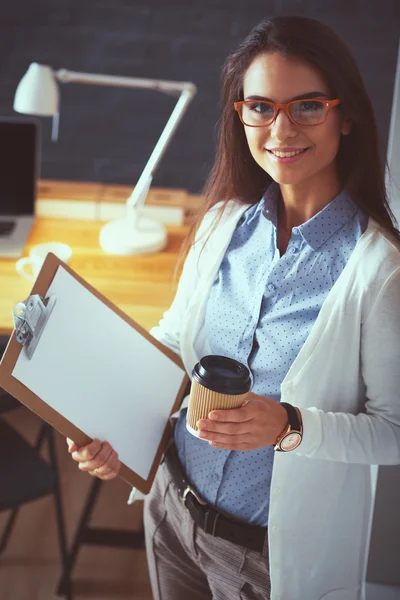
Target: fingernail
pixel 213 416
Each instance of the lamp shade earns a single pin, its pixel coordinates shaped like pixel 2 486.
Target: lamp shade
pixel 37 92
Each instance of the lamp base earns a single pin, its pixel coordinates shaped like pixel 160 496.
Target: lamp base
pixel 125 237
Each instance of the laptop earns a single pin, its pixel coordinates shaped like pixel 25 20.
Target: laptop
pixel 19 172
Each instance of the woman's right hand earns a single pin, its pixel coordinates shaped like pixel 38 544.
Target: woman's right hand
pixel 97 458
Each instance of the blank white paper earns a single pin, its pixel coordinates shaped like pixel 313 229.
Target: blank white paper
pixel 101 374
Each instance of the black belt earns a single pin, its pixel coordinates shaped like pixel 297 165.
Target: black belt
pixel 253 537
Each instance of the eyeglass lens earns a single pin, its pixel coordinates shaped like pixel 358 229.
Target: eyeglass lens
pixel 310 112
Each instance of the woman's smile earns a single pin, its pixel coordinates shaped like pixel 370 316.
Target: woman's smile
pixel 287 156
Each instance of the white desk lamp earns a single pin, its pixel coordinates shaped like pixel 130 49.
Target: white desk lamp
pixel 38 94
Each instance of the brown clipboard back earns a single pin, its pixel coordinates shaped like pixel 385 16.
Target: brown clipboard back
pixel 51 416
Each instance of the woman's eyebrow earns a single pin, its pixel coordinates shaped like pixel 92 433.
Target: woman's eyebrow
pixel 315 94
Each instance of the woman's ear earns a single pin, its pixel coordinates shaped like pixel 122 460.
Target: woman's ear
pixel 346 126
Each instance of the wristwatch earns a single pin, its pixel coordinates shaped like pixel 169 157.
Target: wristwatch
pixel 292 435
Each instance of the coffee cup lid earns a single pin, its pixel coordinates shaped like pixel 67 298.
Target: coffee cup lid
pixel 222 374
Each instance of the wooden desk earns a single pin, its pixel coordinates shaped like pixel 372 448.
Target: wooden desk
pixel 141 286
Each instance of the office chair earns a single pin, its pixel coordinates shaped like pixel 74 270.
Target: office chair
pixel 26 476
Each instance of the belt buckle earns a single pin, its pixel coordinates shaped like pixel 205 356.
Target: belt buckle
pixel 210 520
pixel 189 490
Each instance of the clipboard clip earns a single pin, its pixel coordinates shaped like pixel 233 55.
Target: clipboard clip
pixel 30 318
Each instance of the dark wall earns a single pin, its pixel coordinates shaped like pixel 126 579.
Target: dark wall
pixel 107 134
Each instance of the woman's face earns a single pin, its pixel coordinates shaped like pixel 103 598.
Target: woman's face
pixel 275 78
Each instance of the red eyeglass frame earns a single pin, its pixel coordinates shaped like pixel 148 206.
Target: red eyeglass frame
pixel 329 104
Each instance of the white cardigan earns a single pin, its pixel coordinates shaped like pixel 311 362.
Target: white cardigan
pixel 346 382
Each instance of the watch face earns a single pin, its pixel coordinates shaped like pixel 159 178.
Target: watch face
pixel 291 441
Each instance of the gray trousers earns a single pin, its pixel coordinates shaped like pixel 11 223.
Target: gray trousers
pixel 187 564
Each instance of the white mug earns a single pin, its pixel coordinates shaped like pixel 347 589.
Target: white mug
pixel 37 256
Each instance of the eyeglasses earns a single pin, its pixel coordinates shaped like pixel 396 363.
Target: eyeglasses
pixel 306 112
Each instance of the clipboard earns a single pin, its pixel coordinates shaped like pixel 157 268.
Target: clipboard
pixel 34 359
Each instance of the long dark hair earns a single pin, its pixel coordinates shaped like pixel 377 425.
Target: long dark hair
pixel 235 174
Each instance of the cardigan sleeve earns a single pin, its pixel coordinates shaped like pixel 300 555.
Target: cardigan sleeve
pixel 169 327
pixel 372 437
pixel 168 330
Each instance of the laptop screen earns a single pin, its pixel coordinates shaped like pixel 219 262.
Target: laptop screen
pixel 19 165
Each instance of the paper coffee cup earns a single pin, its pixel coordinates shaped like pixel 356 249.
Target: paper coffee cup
pixel 218 382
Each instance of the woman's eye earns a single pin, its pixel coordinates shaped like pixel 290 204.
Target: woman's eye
pixel 309 106
pixel 261 108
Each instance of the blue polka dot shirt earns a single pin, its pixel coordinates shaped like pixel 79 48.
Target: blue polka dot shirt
pixel 260 311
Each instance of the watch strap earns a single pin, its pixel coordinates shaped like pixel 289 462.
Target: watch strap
pixel 294 425
pixel 293 417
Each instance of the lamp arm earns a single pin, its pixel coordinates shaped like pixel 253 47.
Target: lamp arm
pixel 66 76
pixel 187 89
pixel 139 193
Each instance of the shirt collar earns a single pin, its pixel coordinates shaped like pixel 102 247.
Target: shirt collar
pixel 317 230
pixel 269 205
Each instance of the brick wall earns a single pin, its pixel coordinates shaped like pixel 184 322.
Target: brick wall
pixel 107 134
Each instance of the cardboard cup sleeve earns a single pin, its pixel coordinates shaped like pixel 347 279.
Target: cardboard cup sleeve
pixel 202 401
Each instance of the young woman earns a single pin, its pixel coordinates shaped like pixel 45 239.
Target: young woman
pixel 293 269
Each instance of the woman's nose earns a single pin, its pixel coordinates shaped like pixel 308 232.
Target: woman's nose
pixel 282 127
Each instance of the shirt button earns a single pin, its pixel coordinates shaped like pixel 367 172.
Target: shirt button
pixel 295 230
pixel 277 566
pixel 271 287
pixel 292 250
pixel 275 528
pixel 277 490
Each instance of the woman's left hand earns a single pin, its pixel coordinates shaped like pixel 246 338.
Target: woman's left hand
pixel 257 423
